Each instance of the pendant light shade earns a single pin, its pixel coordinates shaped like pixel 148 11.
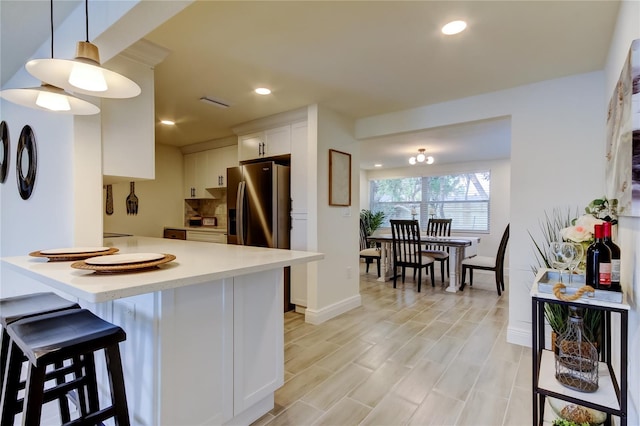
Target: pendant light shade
pixel 49 98
pixel 84 74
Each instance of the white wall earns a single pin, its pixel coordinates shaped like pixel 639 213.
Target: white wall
pixel 628 29
pixel 333 285
pixel 66 207
pixel 555 125
pixel 160 201
pixel 46 219
pixel 500 192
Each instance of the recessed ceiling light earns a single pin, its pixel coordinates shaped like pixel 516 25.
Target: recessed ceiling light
pixel 263 91
pixel 168 122
pixel 377 165
pixel 454 27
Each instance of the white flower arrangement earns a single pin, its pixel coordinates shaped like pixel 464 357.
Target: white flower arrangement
pixel 582 229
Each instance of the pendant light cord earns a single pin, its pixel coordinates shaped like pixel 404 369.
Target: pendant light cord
pixel 86 18
pixel 51 19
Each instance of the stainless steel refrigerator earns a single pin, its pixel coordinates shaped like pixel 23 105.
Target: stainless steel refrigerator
pixel 259 205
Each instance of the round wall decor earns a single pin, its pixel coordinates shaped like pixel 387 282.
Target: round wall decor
pixel 4 151
pixel 26 162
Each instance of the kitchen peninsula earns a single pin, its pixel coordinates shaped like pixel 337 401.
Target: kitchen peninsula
pixel 204 332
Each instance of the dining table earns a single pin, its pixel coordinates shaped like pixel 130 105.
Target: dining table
pixel 460 249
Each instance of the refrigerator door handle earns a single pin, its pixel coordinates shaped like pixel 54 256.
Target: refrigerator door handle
pixel 240 213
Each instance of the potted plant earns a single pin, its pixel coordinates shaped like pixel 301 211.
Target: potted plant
pixel 372 221
pixel 557 315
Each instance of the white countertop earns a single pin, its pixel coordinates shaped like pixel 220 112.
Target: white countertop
pixel 195 263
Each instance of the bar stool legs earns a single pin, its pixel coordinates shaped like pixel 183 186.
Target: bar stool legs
pixel 13 309
pixel 52 339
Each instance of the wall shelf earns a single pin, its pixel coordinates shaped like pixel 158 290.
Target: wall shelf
pixel 611 396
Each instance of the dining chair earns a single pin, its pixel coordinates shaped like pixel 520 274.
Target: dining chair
pixel 488 263
pixel 407 250
pixel 438 228
pixel 368 253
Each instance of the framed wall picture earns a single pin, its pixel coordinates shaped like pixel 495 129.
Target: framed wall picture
pixel 623 137
pixel 339 178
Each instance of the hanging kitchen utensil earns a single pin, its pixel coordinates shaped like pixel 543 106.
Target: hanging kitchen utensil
pixel 109 201
pixel 132 200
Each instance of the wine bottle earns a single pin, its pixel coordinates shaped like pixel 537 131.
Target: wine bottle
pixel 598 273
pixel 615 257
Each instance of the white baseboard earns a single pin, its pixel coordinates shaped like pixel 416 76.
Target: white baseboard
pixel 519 336
pixel 321 315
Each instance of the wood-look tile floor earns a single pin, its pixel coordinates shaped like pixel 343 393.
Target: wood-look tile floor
pixel 406 358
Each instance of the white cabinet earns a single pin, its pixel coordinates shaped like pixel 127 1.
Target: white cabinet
pixel 258 339
pixel 277 141
pixel 207 236
pixel 268 143
pixel 128 128
pixel 250 146
pixel 207 169
pixel 218 161
pixel 221 340
pixel 195 175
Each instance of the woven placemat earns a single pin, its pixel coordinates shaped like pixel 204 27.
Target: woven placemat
pixel 129 267
pixel 73 256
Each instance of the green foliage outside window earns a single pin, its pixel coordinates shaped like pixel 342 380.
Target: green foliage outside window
pixel 463 197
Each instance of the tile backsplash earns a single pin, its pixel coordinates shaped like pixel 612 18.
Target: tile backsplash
pixel 205 207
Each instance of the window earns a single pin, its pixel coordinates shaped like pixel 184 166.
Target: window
pixel 462 197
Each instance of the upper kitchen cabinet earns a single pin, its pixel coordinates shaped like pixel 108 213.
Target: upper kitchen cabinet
pixel 128 125
pixel 219 160
pixel 207 170
pixel 264 144
pixel 195 175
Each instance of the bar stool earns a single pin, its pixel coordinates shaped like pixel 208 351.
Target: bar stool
pixel 51 339
pixel 13 309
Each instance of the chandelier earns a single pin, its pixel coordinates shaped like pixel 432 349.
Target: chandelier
pixel 421 158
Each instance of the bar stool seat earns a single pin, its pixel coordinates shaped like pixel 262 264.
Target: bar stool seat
pixel 16 308
pixel 50 339
pixel 13 309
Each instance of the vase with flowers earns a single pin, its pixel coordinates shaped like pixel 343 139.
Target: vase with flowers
pixel 562 225
pixel 582 229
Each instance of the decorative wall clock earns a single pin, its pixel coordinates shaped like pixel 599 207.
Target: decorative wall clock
pixel 26 162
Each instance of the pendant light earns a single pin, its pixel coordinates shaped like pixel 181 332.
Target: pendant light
pixel 49 98
pixel 84 74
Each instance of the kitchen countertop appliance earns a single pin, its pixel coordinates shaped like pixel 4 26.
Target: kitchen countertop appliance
pixel 195 221
pixel 259 205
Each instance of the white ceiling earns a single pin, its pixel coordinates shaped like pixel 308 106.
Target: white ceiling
pixel 363 58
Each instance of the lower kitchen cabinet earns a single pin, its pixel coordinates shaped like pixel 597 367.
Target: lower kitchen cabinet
pixel 207 236
pixel 202 354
